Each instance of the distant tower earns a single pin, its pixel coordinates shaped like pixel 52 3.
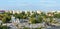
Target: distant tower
pixel 17 21
pixel 13 19
pixel 0 22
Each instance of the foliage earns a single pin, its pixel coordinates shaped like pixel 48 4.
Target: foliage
pixel 20 16
pixel 57 15
pixel 32 20
pixel 4 27
pixel 40 19
pixel 5 17
pixel 26 28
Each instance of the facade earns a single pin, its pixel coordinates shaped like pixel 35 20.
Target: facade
pixel 2 11
pixel 0 22
pixel 39 12
pixel 49 14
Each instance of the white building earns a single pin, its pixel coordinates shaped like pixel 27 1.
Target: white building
pixel 12 19
pixel 0 22
pixel 39 12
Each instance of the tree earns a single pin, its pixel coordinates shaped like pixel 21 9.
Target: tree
pixel 0 26
pixel 5 18
pixel 26 28
pixel 4 27
pixel 57 15
pixel 32 20
pixel 8 18
pixel 51 19
pixel 28 14
pixel 40 19
pixel 20 15
pixel 33 15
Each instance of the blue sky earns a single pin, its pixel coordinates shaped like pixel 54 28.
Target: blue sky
pixel 44 5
